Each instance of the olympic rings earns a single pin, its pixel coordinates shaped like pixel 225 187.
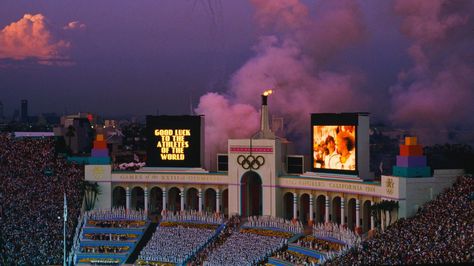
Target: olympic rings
pixel 251 162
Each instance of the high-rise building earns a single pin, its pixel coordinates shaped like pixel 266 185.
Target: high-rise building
pixel 24 110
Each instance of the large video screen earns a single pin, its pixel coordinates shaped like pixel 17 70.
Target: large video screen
pixel 334 143
pixel 173 141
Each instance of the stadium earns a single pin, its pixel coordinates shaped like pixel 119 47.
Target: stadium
pixel 262 207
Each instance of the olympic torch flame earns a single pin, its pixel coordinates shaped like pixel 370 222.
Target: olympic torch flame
pixel 267 92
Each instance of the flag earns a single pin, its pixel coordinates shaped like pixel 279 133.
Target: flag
pixel 65 207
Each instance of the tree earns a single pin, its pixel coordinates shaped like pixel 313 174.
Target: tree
pixel 91 190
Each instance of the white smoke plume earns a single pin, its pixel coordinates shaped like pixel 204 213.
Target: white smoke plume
pixel 290 57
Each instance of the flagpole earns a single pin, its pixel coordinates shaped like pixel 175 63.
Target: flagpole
pixel 64 232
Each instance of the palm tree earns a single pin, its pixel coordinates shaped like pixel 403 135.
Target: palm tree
pixel 71 132
pixel 91 190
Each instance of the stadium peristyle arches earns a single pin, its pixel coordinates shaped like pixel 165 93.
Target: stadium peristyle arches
pixel 288 205
pixel 174 199
pixel 320 208
pixel 156 200
pixel 366 217
pixel 210 200
pixel 251 194
pixel 304 208
pixel 192 199
pixel 351 213
pixel 336 210
pixel 225 201
pixel 118 197
pixel 138 198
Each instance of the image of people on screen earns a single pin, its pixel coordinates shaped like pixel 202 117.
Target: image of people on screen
pixel 334 147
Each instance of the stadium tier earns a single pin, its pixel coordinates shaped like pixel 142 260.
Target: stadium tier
pixel 109 236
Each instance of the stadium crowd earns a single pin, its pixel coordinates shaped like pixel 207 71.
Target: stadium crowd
pixel 245 249
pixel 174 244
pixel 231 226
pixel 32 184
pixel 442 232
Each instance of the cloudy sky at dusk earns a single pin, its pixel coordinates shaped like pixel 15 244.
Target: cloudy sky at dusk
pixel 408 62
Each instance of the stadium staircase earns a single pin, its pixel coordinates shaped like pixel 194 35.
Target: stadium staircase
pixel 142 243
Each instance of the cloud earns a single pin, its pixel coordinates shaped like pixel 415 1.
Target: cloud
pixel 436 91
pixel 74 25
pixel 31 38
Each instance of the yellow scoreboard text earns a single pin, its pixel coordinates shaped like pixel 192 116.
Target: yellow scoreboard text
pixel 172 143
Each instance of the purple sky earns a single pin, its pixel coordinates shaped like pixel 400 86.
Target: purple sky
pixel 405 61
pixel 134 57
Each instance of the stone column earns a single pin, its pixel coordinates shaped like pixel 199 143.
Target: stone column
pixel 342 211
pixel 164 199
pixel 310 219
pixel 181 193
pixel 372 224
pixel 357 225
pixel 218 200
pixel 326 214
pixel 127 198
pixel 200 200
pixel 145 194
pixel 295 206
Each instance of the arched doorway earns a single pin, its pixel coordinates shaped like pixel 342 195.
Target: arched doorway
pixel 192 199
pixel 118 197
pixel 210 200
pixel 288 206
pixel 138 198
pixel 320 208
pixel 174 199
pixel 336 210
pixel 351 214
pixel 225 201
pixel 366 221
pixel 156 200
pixel 304 208
pixel 251 194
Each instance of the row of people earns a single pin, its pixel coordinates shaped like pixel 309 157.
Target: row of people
pixel 336 231
pixel 210 218
pixel 117 223
pixel 110 237
pixel 320 245
pixel 275 222
pixel 119 213
pixel 105 249
pixel 295 258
